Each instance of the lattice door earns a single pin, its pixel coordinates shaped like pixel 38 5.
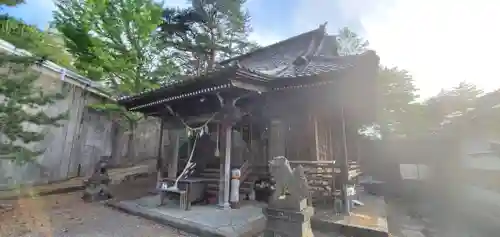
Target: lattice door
pixel 322 137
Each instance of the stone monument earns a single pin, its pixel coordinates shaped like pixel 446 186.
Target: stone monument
pixel 96 187
pixel 289 211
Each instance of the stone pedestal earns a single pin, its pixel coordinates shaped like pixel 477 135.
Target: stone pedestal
pixel 97 186
pixel 289 211
pixel 288 223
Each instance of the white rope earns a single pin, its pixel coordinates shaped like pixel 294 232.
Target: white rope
pixel 200 130
pixel 185 124
pixel 186 167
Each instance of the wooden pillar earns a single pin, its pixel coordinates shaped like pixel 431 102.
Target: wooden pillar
pixel 159 159
pixel 276 146
pixel 344 165
pixel 316 139
pixel 174 159
pixel 227 165
pixel 220 193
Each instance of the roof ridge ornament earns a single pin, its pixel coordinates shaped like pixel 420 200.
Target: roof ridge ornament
pixel 322 27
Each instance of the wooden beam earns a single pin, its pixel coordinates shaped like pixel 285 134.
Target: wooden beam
pixel 248 86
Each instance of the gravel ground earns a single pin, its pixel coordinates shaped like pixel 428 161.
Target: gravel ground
pixel 66 215
pixel 433 220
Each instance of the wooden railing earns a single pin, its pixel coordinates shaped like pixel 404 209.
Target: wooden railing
pixel 322 175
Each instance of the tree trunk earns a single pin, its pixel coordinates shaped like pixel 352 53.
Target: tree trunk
pixel 131 143
pixel 115 146
pixel 211 60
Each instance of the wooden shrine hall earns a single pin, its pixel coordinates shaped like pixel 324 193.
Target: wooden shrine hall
pixel 297 98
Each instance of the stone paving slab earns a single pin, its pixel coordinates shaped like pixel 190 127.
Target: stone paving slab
pixel 249 221
pixel 200 220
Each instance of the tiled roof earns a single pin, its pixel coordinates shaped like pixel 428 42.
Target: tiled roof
pixel 297 56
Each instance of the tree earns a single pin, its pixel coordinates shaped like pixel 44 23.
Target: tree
pixel 10 3
pixel 30 38
pixel 115 42
pixel 206 32
pixel 22 108
pixel 350 43
pixel 41 43
pixel 396 101
pixel 396 93
pixel 449 106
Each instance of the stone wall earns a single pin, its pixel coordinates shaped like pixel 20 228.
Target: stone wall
pixel 72 149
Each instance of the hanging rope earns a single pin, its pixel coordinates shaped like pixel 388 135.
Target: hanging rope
pixel 185 124
pixel 198 133
pixel 186 167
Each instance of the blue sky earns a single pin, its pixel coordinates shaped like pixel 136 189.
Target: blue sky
pixel 440 42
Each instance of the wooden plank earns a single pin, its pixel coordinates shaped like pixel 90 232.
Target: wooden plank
pixel 311 162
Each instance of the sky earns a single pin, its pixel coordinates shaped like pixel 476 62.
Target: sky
pixel 440 42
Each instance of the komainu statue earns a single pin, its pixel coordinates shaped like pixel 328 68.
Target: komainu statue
pixel 97 186
pixel 289 211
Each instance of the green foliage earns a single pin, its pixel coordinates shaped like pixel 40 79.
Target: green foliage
pixel 396 92
pixel 450 106
pixel 350 43
pixel 28 37
pixel 396 102
pixel 115 41
pixel 22 108
pixel 10 3
pixel 206 32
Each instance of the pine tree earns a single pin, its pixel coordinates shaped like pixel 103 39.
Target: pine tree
pixel 10 3
pixel 28 37
pixel 22 105
pixel 206 32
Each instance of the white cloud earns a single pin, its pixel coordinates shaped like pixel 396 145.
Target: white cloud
pixel 309 14
pixel 264 38
pixel 441 42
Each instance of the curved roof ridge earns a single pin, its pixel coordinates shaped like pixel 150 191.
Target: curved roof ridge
pixel 321 28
